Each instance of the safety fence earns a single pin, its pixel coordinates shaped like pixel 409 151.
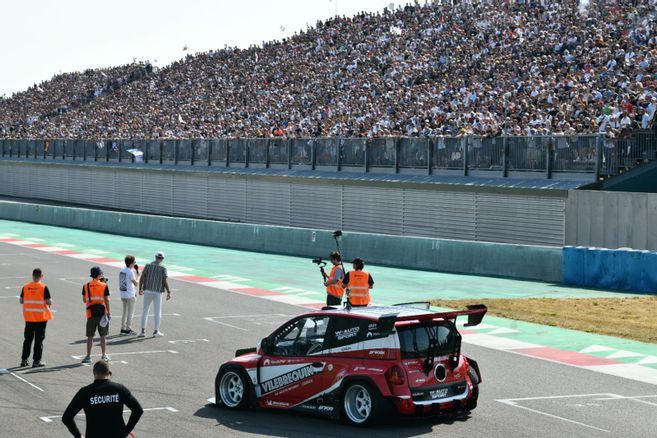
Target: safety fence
pixel 583 154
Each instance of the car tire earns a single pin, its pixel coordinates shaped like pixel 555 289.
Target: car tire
pixel 361 404
pixel 233 389
pixel 472 401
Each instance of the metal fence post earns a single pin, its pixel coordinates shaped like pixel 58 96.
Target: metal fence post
pixel 288 146
pixel 313 154
pixel 161 150
pixel 247 153
pixel 429 155
pixel 368 144
pixel 193 146
pixel 598 156
pixel 267 144
pixel 505 157
pixel 548 159
pixel 63 150
pixel 338 147
pixel 107 150
pixel 465 156
pixel 176 145
pixel 84 148
pixel 397 145
pixel 120 150
pixel 227 153
pixel 147 145
pixel 209 153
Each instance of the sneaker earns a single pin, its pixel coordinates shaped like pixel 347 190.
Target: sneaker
pixel 130 333
pixel 124 333
pixel 142 334
pixel 157 334
pixel 106 358
pixel 87 359
pixel 38 364
pixel 25 363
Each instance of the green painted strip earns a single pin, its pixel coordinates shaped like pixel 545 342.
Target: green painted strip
pixel 277 272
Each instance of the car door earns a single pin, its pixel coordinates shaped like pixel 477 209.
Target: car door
pixel 290 372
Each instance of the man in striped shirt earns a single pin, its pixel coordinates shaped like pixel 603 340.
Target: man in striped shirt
pixel 152 284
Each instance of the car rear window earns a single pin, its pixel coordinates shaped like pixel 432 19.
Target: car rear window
pixel 414 340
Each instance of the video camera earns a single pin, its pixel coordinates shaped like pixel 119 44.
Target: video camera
pixel 319 261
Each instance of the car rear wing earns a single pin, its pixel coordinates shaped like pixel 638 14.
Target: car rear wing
pixel 474 312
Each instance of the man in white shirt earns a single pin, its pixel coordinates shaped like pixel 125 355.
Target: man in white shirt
pixel 128 280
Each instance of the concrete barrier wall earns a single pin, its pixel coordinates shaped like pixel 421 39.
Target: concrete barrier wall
pixel 441 211
pixel 496 259
pixel 612 269
pixel 611 219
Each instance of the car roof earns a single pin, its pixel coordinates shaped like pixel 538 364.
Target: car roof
pixel 375 312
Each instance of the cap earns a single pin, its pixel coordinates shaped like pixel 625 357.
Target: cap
pixel 159 255
pixel 96 271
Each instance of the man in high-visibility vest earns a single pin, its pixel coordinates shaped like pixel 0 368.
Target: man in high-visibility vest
pixel 333 281
pixel 95 296
pixel 36 301
pixel 359 283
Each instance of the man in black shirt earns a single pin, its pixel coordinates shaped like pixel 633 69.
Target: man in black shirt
pixel 103 403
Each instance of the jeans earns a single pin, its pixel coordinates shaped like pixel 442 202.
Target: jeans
pixel 154 298
pixel 34 331
pixel 128 312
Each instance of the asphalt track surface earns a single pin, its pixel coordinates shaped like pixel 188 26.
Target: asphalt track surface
pixel 173 376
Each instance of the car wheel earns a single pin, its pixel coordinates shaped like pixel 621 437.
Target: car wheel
pixel 233 389
pixel 362 405
pixel 472 401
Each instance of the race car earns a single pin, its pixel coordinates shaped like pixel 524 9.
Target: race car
pixel 358 364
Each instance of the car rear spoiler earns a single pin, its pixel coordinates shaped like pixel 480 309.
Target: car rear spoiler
pixel 474 312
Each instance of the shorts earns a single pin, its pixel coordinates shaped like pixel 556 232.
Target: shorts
pixel 93 323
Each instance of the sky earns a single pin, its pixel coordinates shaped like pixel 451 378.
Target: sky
pixel 40 38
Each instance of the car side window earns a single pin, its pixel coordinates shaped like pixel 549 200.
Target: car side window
pixel 303 337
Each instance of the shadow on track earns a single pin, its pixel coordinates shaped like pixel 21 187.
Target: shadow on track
pixel 288 424
pixel 53 369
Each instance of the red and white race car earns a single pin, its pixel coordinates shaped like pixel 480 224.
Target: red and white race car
pixel 358 364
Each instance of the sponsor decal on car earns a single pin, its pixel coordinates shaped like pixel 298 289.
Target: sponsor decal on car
pixel 289 378
pixel 276 403
pixel 346 333
pixel 325 409
pixel 439 393
pixel 377 353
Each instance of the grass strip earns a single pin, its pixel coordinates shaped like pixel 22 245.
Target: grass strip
pixel 632 317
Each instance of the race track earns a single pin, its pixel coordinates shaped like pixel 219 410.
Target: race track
pixel 173 376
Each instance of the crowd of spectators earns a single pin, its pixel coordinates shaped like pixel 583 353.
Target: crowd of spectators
pixel 478 67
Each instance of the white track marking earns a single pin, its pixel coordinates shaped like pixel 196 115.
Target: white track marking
pixel 5 371
pixel 96 251
pixel 624 353
pixel 49 418
pixel 597 349
pixel 647 360
pixel 230 278
pixel 536 411
pixel 10 278
pixel 226 324
pixel 129 352
pixel 114 362
pixel 14 297
pixel 188 341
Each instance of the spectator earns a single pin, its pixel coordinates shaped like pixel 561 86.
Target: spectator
pixel 468 68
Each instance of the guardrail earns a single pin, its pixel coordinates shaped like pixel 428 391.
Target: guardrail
pixel 550 155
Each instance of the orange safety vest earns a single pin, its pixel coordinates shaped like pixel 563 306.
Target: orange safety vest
pixel 335 289
pixel 359 288
pixel 35 308
pixel 94 293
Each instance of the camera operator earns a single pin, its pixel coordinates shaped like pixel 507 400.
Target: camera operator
pixel 95 295
pixel 333 282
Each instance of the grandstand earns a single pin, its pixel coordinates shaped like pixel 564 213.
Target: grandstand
pixel 482 68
